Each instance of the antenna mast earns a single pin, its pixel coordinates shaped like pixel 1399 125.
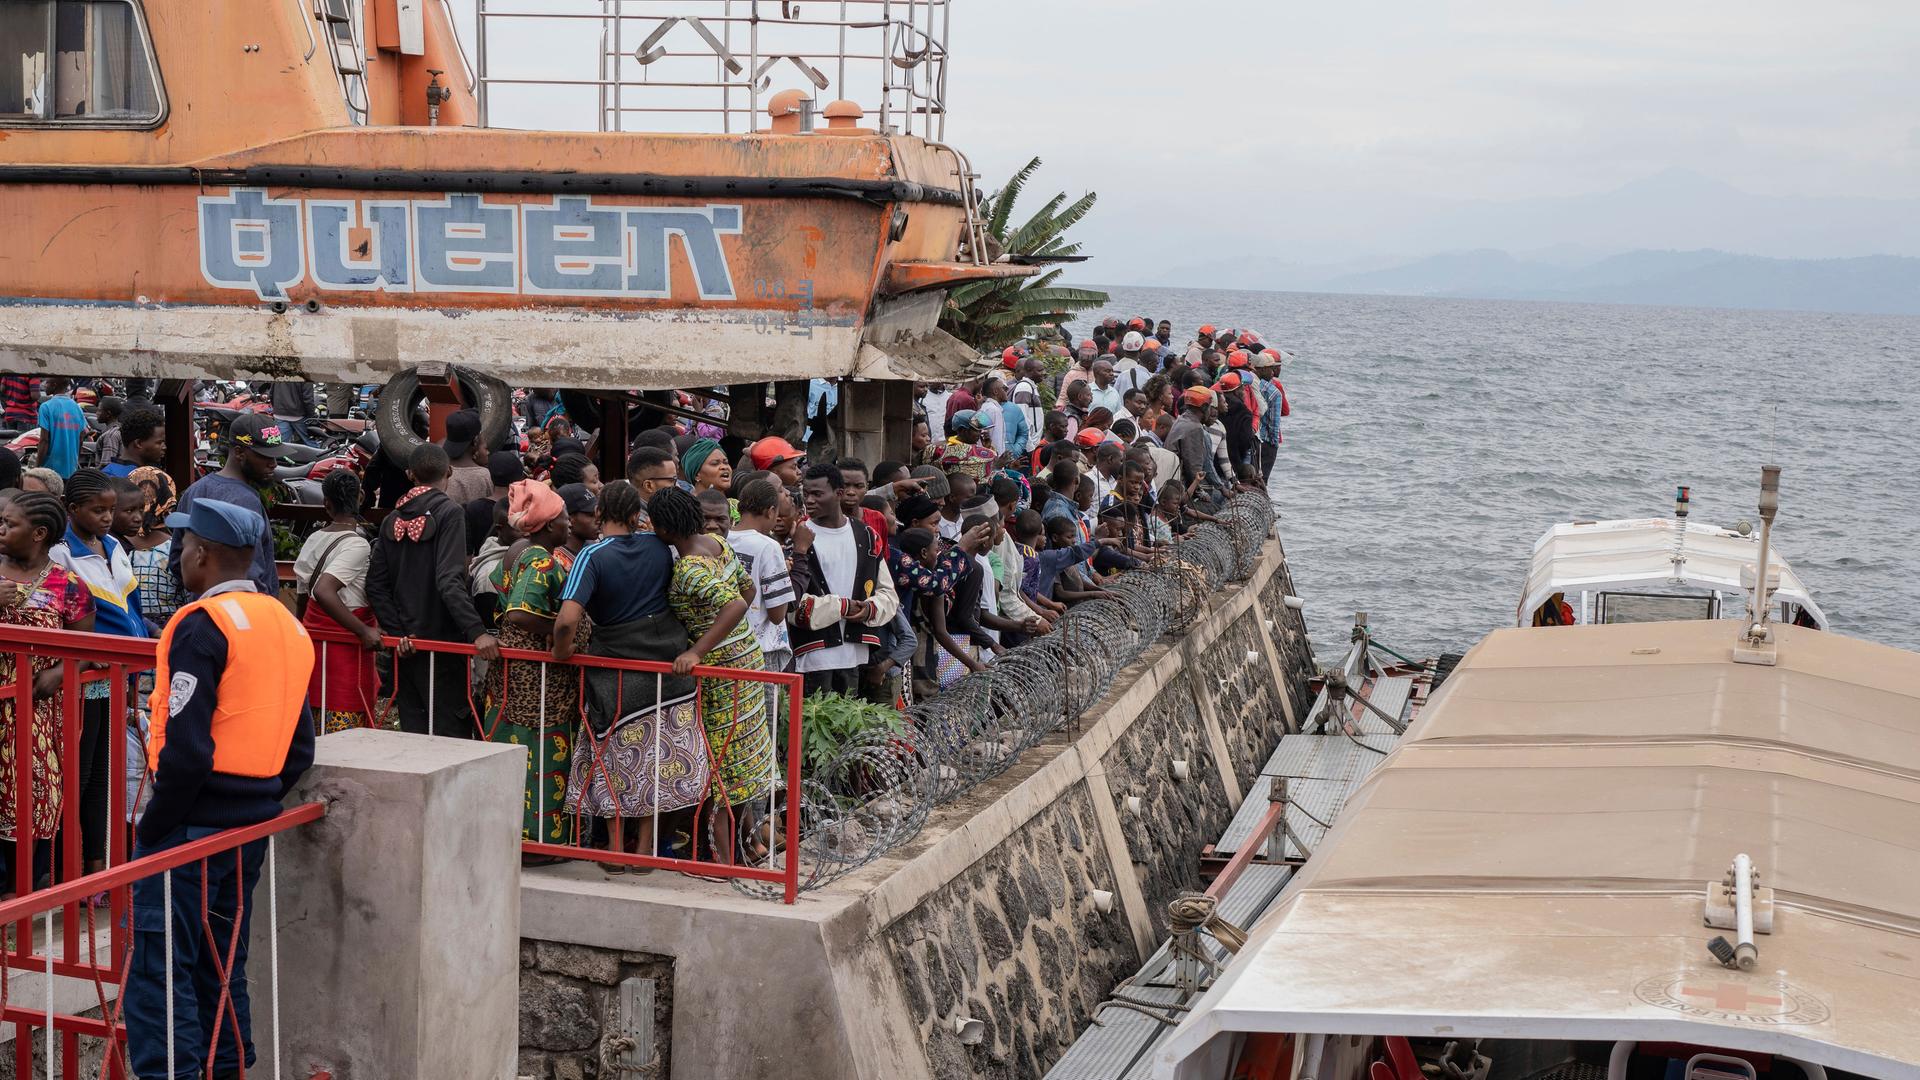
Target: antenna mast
pixel 1756 645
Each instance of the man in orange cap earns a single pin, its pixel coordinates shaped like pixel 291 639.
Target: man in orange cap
pixel 1239 413
pixel 1197 349
pixel 1188 439
pixel 777 456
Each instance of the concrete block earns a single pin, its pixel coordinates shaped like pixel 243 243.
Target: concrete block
pixel 399 912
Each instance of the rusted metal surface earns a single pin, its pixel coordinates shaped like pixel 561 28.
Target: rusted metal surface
pixel 258 231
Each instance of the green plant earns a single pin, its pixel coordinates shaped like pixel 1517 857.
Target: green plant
pixel 829 725
pixel 992 314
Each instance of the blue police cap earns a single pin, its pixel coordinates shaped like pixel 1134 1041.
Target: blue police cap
pixel 220 522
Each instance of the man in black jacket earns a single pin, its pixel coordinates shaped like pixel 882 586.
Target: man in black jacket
pixel 417 583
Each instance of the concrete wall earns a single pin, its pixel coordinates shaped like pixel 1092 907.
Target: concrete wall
pixel 990 912
pixel 397 912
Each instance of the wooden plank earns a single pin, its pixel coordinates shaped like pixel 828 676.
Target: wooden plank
pixel 636 1022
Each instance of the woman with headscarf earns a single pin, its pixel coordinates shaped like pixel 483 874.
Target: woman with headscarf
pixel 705 466
pixel 519 706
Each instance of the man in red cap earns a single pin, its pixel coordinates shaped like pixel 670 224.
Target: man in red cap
pixel 777 456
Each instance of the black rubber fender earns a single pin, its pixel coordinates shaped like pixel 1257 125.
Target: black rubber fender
pixel 393 415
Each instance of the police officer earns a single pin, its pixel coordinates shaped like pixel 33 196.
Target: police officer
pixel 230 736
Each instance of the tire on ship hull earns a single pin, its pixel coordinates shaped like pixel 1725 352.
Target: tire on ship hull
pixel 393 416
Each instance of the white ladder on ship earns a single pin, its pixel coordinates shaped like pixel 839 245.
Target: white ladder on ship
pixel 340 25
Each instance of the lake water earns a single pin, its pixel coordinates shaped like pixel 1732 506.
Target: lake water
pixel 1432 441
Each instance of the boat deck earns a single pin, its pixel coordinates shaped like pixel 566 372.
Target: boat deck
pixel 1320 771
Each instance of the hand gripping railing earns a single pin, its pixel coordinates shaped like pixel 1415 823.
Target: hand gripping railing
pixel 732 711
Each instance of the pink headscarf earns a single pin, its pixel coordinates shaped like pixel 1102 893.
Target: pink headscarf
pixel 531 505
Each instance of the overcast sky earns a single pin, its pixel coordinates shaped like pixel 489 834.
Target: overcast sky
pixel 1243 118
pixel 1277 125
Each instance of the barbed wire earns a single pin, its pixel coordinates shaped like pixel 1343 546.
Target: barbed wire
pixel 878 791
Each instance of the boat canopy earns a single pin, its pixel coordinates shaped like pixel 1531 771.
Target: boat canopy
pixel 1533 860
pixel 1639 553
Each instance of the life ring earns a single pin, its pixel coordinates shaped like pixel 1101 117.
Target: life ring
pixel 393 415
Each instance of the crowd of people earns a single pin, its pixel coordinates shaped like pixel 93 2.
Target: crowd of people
pixel 1027 490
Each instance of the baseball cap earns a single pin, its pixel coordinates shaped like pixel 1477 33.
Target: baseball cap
pixel 506 469
pixel 1267 359
pixel 1237 358
pixel 463 428
pixel 962 418
pixel 1132 342
pixel 771 451
pixel 257 432
pixel 1088 345
pixel 1089 437
pixel 980 420
pixel 579 499
pixel 1137 323
pixel 1207 329
pixel 221 523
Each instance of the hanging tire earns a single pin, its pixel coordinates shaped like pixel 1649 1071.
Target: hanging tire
pixel 393 415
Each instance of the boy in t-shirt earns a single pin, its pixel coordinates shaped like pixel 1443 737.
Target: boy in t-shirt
pixel 762 503
pixel 61 422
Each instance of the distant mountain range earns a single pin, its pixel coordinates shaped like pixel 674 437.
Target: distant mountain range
pixel 1885 284
pixel 1670 238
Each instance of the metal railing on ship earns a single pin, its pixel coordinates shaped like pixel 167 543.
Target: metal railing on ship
pixel 702 65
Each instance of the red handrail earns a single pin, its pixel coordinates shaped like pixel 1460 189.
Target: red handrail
pixel 136 653
pixel 127 873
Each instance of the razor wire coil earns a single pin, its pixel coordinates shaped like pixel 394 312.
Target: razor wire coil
pixel 879 790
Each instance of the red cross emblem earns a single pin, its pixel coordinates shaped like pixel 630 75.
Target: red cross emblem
pixel 1732 997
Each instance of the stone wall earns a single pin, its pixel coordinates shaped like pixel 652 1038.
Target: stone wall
pixel 1289 635
pixel 1176 817
pixel 989 912
pixel 1233 670
pixel 1013 943
pixel 569 1006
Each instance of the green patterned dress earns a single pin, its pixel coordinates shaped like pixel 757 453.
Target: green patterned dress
pixel 733 712
pixel 513 694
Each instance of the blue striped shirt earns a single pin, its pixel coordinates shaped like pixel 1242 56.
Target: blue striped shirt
pixel 621 578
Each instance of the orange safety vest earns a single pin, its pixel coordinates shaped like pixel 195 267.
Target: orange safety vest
pixel 257 704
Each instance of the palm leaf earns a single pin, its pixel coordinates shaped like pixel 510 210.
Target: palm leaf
pixel 991 314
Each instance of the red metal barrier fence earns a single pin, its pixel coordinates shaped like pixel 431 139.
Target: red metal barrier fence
pixel 718 748
pixel 738 824
pixel 72 761
pixel 108 967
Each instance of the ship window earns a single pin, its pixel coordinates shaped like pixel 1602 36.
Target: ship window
pixel 84 62
pixel 1648 607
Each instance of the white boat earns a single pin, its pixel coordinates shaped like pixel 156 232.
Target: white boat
pixel 1654 569
pixel 1666 850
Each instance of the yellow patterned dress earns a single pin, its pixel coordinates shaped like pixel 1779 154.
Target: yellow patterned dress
pixel 733 712
pixel 519 710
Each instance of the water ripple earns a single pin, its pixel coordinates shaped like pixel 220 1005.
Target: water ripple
pixel 1433 440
